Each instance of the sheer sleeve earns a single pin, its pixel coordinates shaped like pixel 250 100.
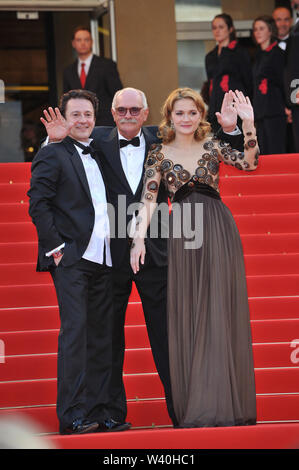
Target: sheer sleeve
pixel 152 176
pixel 243 160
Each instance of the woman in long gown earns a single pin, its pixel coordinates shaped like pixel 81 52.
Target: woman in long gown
pixel 211 361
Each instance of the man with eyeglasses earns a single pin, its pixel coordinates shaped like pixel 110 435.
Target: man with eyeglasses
pixel 124 150
pixel 122 153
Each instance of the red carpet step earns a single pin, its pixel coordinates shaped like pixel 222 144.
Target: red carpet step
pixel 38 318
pixel 138 387
pixel 264 436
pixel 261 264
pixel 253 244
pixel 150 413
pixel 137 361
pixel 43 294
pixel 45 341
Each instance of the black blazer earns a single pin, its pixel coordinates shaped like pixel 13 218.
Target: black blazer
pixel 269 98
pixel 106 140
pixel 60 203
pixel 102 78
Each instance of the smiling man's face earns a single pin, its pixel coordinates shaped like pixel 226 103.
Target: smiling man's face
pixel 80 116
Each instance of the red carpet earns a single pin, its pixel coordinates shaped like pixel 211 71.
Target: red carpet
pixel 265 205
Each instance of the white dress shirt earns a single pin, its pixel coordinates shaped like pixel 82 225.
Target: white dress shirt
pixel 132 160
pixel 282 42
pixel 100 234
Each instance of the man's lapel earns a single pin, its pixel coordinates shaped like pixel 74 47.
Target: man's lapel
pixel 91 74
pixel 110 148
pixel 295 29
pixel 75 77
pixel 150 139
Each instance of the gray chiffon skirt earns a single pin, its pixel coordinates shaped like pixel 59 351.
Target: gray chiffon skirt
pixel 210 346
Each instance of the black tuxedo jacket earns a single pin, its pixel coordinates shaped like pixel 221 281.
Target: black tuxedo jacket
pixel 60 203
pixel 106 140
pixel 102 78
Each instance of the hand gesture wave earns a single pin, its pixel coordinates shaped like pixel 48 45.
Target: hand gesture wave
pixel 55 124
pixel 234 104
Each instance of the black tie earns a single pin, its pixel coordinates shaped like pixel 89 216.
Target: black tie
pixel 135 141
pixel 87 149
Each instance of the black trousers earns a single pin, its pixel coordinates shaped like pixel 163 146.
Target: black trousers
pixel 271 135
pixel 84 293
pixel 151 283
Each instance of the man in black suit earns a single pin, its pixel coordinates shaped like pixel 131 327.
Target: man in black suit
pixel 93 73
pixel 69 208
pixel 123 167
pixel 283 20
pixel 292 76
pixel 122 153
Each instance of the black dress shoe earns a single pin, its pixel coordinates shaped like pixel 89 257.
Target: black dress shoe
pixel 109 425
pixel 80 426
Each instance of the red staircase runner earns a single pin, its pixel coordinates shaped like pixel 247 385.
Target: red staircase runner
pixel 265 204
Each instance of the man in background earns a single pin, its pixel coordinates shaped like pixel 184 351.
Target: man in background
pixel 283 19
pixel 92 73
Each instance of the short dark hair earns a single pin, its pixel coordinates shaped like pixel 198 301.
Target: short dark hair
pixel 80 28
pixel 79 94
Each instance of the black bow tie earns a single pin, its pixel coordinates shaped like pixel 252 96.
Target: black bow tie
pixel 135 141
pixel 87 149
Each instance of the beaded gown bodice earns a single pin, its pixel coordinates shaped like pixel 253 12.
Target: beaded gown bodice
pixel 159 167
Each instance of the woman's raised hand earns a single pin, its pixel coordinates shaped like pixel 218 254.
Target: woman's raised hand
pixel 227 118
pixel 243 106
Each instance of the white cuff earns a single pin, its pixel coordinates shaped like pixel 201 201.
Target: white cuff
pixel 46 142
pixel 236 131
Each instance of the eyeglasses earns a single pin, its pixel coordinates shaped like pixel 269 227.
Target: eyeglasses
pixel 134 111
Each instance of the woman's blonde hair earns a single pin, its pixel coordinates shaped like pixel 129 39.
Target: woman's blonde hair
pixel 166 131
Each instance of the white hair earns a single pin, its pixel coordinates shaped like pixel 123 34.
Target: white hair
pixel 143 97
